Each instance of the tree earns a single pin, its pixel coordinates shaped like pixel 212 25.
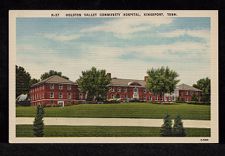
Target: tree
pixel 51 73
pixel 38 125
pixel 22 81
pixel 204 85
pixel 161 81
pixel 194 98
pixel 166 128
pixel 178 129
pixel 33 81
pixel 94 83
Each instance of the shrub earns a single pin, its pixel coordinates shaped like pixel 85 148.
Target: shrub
pixel 178 129
pixel 38 125
pixel 166 128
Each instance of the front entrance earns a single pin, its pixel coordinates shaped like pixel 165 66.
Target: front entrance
pixel 61 103
pixel 135 94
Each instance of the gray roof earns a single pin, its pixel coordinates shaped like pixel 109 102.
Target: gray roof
pixel 186 87
pixel 54 79
pixel 126 82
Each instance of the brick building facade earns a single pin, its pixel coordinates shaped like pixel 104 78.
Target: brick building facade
pixel 56 90
pixel 129 89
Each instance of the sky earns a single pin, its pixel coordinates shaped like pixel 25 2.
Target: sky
pixel 124 47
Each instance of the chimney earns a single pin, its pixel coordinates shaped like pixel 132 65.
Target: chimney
pixel 109 75
pixel 145 78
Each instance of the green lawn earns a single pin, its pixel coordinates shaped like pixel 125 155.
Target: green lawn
pixel 125 110
pixel 102 131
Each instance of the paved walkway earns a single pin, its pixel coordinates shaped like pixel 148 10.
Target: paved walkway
pixel 110 122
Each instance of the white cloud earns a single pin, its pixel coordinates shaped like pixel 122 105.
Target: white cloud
pixel 125 27
pixel 107 57
pixel 61 37
pixel 194 33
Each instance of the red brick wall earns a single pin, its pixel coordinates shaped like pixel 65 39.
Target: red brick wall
pixel 186 95
pixel 39 91
pixel 130 90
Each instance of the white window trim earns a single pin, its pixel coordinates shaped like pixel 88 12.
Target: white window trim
pixel 52 93
pixel 68 87
pixel 145 90
pixel 118 89
pixel 80 96
pixel 60 95
pixel 52 86
pixel 60 87
pixel 69 96
pixel 186 92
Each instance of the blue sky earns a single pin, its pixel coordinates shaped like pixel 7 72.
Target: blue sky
pixel 125 47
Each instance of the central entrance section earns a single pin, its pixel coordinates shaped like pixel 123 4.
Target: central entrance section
pixel 135 93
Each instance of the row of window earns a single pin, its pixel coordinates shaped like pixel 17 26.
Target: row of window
pixel 118 89
pixel 37 96
pixel 60 95
pixel 52 86
pixel 188 93
pixel 113 96
pixel 52 95
pixel 124 90
pixel 38 88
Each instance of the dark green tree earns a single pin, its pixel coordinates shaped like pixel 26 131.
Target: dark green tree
pixel 194 98
pixel 178 129
pixel 38 125
pixel 94 83
pixel 162 80
pixel 51 73
pixel 204 85
pixel 22 81
pixel 166 128
pixel 33 81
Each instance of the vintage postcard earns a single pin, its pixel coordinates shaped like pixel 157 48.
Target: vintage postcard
pixel 113 76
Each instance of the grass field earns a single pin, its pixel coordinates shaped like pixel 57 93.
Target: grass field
pixel 102 131
pixel 125 110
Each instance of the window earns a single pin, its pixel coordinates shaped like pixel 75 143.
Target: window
pixel 135 90
pixel 51 86
pixel 113 90
pixel 118 89
pixel 110 89
pixel 112 96
pixel 60 87
pixel 80 96
pixel 69 95
pixel 144 90
pixel 187 93
pixel 125 89
pixel 68 87
pixel 51 95
pixel 60 95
